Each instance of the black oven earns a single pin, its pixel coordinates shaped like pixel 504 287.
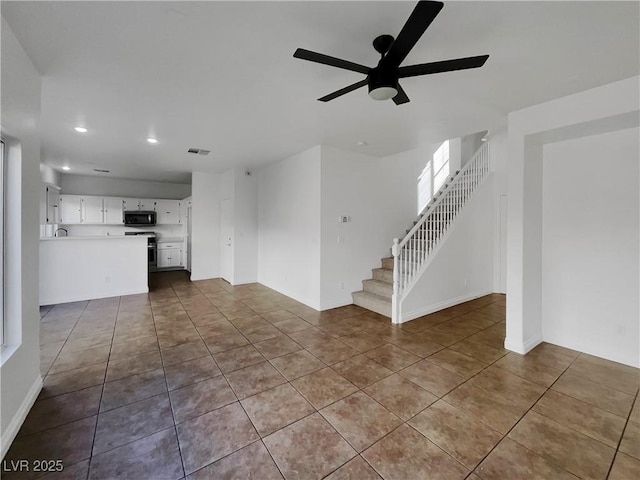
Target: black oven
pixel 139 218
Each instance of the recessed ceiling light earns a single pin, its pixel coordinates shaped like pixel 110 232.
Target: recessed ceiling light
pixel 81 130
pixel 152 140
pixel 362 143
pixel 66 168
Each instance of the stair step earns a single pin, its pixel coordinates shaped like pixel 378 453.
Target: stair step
pixel 383 289
pixel 383 274
pixel 372 302
pixel 387 263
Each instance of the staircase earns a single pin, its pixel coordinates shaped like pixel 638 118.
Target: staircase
pixel 384 292
pixel 376 293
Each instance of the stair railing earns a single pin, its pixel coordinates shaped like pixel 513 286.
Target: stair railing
pixel 417 248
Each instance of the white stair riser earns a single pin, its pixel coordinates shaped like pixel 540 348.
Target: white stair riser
pixel 373 303
pixel 383 274
pixel 378 288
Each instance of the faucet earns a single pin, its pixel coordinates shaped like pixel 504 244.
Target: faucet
pixel 66 234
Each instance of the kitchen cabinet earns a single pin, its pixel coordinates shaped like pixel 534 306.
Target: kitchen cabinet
pixel 93 210
pixel 169 254
pixel 52 199
pixel 88 210
pixel 70 209
pixel 168 212
pixel 131 204
pixel 113 207
pixel 148 205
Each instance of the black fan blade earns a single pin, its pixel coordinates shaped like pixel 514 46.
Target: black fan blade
pixel 401 97
pixel 417 23
pixel 443 66
pixel 331 61
pixel 344 90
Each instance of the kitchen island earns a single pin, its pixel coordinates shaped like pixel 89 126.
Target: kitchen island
pixel 83 268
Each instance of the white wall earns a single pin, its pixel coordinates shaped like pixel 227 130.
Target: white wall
pixel 74 269
pixel 20 380
pixel 119 187
pixel 245 227
pixel 590 238
pixel 205 229
pixel 603 109
pixel 462 269
pixel 300 202
pixel 289 227
pixel 469 144
pixel 49 175
pixel 455 155
pixel 379 195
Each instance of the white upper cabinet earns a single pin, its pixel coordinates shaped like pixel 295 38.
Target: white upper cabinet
pixel 131 204
pixel 93 210
pixel 70 209
pixel 167 212
pixel 148 205
pixel 113 207
pixel 89 209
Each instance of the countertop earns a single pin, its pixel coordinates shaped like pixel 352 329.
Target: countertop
pixel 169 239
pixel 92 237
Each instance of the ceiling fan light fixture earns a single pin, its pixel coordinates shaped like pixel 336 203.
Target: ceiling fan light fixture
pixel 383 84
pixel 383 93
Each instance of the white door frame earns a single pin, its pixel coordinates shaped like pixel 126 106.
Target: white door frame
pixel 226 240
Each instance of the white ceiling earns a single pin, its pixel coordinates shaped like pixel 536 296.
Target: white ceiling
pixel 221 76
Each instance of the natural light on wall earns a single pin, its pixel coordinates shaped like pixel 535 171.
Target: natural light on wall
pixel 433 176
pixel 440 166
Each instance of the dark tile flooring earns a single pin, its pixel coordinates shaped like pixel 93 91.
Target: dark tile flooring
pixel 207 381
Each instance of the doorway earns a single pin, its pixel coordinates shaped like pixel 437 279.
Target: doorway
pixel 189 236
pixel 226 240
pixel 502 288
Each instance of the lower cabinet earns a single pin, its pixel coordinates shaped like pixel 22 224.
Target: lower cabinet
pixel 169 255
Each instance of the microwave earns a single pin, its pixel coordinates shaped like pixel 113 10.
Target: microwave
pixel 139 218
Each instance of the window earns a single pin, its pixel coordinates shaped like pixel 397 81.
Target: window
pixel 434 176
pixel 2 249
pixel 440 166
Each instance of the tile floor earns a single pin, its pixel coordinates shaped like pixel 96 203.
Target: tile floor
pixel 207 381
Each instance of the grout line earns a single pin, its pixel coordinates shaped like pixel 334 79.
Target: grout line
pixel 288 382
pixel 95 430
pixel 175 427
pixel 237 400
pixel 66 338
pixel 522 417
pixel 626 424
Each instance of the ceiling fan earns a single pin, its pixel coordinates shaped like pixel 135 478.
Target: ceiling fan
pixel 382 80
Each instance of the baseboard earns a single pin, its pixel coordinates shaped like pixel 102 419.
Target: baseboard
pixel 81 298
pixel 243 281
pixel 522 347
pixel 18 419
pixel 436 307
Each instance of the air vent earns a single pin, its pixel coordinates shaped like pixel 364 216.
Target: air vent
pixel 101 170
pixel 199 151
